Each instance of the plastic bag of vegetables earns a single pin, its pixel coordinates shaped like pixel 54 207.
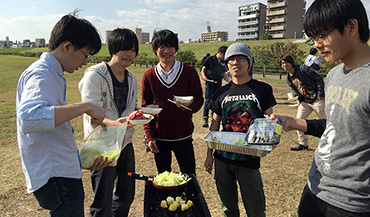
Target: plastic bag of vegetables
pixel 103 141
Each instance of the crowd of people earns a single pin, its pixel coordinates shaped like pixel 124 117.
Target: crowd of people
pixel 338 181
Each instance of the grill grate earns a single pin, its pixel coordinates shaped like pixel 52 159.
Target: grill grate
pixel 153 198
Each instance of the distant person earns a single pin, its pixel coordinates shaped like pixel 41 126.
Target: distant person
pixel 236 105
pixel 213 70
pixel 48 149
pixel 339 178
pixel 308 87
pixel 113 87
pixel 312 58
pixel 171 130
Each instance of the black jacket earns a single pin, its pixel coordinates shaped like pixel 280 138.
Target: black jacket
pixel 309 78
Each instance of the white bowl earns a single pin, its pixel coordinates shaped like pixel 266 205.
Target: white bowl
pixel 142 121
pixel 150 110
pixel 184 99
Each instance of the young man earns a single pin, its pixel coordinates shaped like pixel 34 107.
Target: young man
pixel 113 87
pixel 50 158
pixel 171 129
pixel 308 86
pixel 312 58
pixel 236 105
pixel 213 70
pixel 338 182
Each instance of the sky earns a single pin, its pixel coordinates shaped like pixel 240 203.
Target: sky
pixel 31 19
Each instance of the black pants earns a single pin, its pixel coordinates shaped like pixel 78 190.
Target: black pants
pixel 312 206
pixel 184 152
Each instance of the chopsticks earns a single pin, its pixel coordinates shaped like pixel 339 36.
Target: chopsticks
pixel 180 105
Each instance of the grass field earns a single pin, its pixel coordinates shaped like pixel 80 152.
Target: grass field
pixel 284 172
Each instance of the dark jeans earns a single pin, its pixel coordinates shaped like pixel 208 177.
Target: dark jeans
pixel 62 197
pixel 184 152
pixel 209 91
pixel 114 190
pixel 312 206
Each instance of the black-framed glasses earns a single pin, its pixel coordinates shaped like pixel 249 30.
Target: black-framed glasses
pixel 86 56
pixel 239 59
pixel 319 38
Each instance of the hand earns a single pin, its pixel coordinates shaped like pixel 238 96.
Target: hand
pixel 291 122
pixel 208 164
pixel 100 163
pixel 204 78
pixel 96 113
pixel 123 120
pixel 321 98
pixel 152 145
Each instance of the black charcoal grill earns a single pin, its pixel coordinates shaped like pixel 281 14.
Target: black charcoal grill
pixel 153 198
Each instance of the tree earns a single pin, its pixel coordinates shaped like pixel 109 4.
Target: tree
pixel 186 56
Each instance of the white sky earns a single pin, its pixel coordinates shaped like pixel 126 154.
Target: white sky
pixel 31 19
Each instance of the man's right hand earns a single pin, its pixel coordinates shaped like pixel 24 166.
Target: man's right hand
pixel 96 113
pixel 152 145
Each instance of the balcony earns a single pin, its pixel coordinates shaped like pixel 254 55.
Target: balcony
pixel 277 5
pixel 276 13
pixel 253 29
pixel 277 20
pixel 277 28
pixel 277 36
pixel 247 37
pixel 248 23
pixel 250 16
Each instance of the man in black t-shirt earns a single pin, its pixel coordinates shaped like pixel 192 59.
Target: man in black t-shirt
pixel 236 105
pixel 213 70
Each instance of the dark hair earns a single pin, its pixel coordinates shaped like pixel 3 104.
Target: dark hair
pixel 313 51
pixel 324 15
pixel 164 37
pixel 222 49
pixel 315 66
pixel 80 32
pixel 122 39
pixel 286 58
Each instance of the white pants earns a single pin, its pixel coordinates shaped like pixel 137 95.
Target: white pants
pixel 304 110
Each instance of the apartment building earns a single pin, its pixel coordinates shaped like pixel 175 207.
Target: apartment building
pixel 284 18
pixel 210 36
pixel 251 20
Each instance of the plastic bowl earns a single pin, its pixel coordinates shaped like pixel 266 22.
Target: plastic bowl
pixel 150 110
pixel 184 99
pixel 142 121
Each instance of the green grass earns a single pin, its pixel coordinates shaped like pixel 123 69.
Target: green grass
pixel 284 172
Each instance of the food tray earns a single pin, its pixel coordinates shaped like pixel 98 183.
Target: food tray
pixel 235 142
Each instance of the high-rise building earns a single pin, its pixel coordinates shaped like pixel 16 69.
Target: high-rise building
pixel 284 18
pixel 251 20
pixel 146 38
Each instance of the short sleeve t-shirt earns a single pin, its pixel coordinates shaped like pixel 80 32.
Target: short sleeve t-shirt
pixel 238 105
pixel 120 91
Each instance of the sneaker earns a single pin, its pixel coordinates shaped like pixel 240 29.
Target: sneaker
pixel 299 148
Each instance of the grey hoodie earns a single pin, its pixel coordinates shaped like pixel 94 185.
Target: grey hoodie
pixel 97 87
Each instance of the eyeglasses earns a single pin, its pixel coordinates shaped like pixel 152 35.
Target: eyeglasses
pixel 238 59
pixel 86 56
pixel 319 38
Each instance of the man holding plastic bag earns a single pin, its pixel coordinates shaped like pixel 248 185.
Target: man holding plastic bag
pixel 112 87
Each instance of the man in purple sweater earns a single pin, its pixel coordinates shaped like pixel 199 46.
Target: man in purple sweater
pixel 172 128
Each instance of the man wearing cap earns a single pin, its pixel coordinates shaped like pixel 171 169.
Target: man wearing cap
pixel 235 105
